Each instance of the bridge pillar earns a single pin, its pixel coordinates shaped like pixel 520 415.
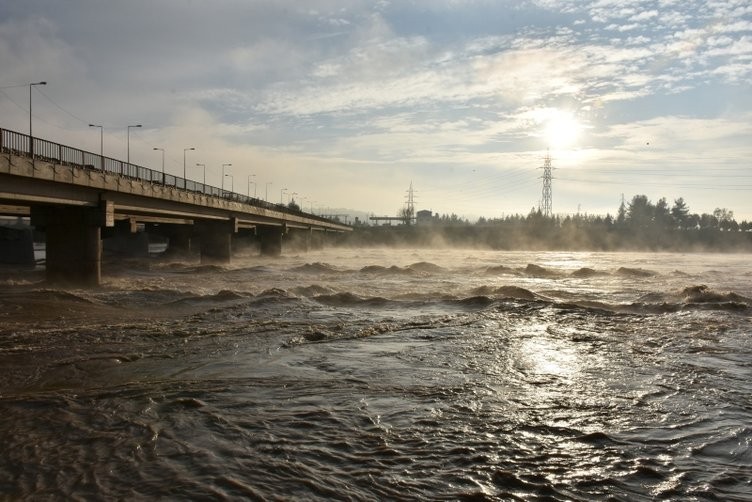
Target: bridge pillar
pixel 317 239
pixel 307 239
pixel 270 239
pixel 17 246
pixel 74 243
pixel 125 240
pixel 216 240
pixel 180 238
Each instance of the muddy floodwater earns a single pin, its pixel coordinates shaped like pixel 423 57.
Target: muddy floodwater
pixel 371 374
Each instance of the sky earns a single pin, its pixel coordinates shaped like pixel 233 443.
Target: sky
pixel 345 104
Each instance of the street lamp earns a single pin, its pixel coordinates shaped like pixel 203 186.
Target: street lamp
pixel 161 150
pixel 223 174
pixel 31 139
pixel 128 143
pixel 232 182
pixel 204 166
pixel 185 150
pixel 266 197
pixel 30 85
pixel 281 194
pixel 101 138
pixel 249 185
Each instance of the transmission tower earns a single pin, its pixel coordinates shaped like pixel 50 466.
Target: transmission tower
pixel 410 209
pixel 546 208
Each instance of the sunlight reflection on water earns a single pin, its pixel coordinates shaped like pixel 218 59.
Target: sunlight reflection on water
pixel 541 355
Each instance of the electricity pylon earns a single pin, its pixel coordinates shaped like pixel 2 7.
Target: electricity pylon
pixel 546 199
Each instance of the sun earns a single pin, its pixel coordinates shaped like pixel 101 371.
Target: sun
pixel 561 129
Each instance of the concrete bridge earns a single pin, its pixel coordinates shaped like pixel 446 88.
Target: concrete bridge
pixel 76 197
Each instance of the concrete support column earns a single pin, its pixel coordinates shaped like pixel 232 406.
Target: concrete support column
pixel 270 240
pixel 216 240
pixel 307 239
pixel 73 241
pixel 180 238
pixel 317 239
pixel 125 240
pixel 17 246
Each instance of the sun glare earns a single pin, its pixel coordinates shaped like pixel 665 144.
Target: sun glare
pixel 561 130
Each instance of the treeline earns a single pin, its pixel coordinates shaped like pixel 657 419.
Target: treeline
pixel 639 225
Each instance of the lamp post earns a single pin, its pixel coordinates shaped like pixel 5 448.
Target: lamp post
pixel 232 182
pixel 249 185
pixel 161 150
pixel 128 143
pixel 223 174
pixel 185 150
pixel 281 194
pixel 266 197
pixel 101 138
pixel 31 136
pixel 204 166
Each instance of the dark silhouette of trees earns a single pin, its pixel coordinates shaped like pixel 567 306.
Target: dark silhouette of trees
pixel 639 225
pixel 293 206
pixel 680 214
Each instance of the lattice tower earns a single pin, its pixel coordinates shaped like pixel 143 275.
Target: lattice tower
pixel 546 207
pixel 410 213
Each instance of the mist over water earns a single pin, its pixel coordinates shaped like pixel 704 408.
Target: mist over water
pixel 373 374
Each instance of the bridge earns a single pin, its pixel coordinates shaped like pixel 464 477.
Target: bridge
pixel 75 197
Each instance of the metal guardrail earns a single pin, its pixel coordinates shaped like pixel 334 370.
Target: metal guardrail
pixel 19 144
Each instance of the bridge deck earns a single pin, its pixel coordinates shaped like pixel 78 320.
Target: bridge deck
pixel 41 172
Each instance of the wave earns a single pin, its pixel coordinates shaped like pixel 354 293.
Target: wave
pixel 349 299
pixel 222 296
pixel 313 290
pixel 61 296
pixel 514 292
pixel 393 270
pixel 694 297
pixel 691 298
pixel 703 294
pixel 316 268
pixel 425 267
pixel 426 297
pixel 586 273
pixel 475 301
pixel 635 272
pixel 501 270
pixel 541 272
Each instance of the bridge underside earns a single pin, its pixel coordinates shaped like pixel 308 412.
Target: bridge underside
pixel 76 208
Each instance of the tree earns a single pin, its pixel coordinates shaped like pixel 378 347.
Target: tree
pixel 621 216
pixel 293 206
pixel 708 221
pixel 661 214
pixel 725 218
pixel 680 213
pixel 640 212
pixel 406 215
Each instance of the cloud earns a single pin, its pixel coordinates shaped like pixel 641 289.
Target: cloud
pixel 374 93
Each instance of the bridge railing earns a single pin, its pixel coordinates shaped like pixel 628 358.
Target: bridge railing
pixel 15 143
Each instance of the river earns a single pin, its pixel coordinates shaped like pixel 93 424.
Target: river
pixel 372 374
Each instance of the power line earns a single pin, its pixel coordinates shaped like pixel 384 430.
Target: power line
pixel 63 109
pixel 20 107
pixel 680 185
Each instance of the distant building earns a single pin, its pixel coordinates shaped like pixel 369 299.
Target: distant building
pixel 423 217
